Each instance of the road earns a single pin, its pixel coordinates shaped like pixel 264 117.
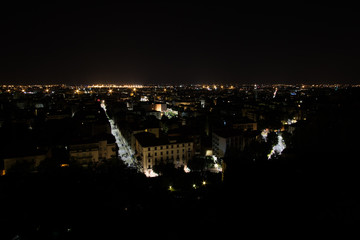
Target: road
pixel 125 152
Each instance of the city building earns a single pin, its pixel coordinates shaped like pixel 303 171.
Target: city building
pixel 249 126
pixel 93 150
pixel 227 138
pixel 31 160
pixel 151 151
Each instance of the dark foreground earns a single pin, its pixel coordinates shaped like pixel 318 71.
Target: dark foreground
pixel 115 204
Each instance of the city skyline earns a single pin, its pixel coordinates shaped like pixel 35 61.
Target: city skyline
pixel 154 43
pixel 191 158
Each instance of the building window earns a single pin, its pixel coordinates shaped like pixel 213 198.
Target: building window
pixel 156 154
pixel 183 145
pixel 161 153
pixel 148 149
pixel 149 160
pixel 155 148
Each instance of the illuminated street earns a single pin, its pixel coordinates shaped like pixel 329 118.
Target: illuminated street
pixel 124 150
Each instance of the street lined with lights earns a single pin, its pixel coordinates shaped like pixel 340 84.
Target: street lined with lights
pixel 124 150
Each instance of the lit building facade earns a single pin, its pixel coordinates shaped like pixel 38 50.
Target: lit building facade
pixel 151 151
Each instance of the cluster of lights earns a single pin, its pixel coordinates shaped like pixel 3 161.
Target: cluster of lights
pixel 274 95
pixel 217 166
pixel 215 87
pixel 290 122
pixel 144 99
pixel 116 86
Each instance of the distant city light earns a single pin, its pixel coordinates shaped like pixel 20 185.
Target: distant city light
pixel 276 89
pixel 144 99
pixel 290 121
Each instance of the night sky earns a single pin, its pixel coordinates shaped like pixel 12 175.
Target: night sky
pixel 159 43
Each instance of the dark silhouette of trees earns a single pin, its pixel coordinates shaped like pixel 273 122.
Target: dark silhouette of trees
pixel 200 163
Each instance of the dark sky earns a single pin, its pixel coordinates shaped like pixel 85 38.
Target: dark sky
pixel 178 43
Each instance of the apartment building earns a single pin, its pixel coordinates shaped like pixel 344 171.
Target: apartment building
pixel 151 151
pixel 93 150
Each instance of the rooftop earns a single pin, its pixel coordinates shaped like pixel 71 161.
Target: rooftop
pixel 147 139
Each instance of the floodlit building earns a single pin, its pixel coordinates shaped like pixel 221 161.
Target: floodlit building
pixel 151 151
